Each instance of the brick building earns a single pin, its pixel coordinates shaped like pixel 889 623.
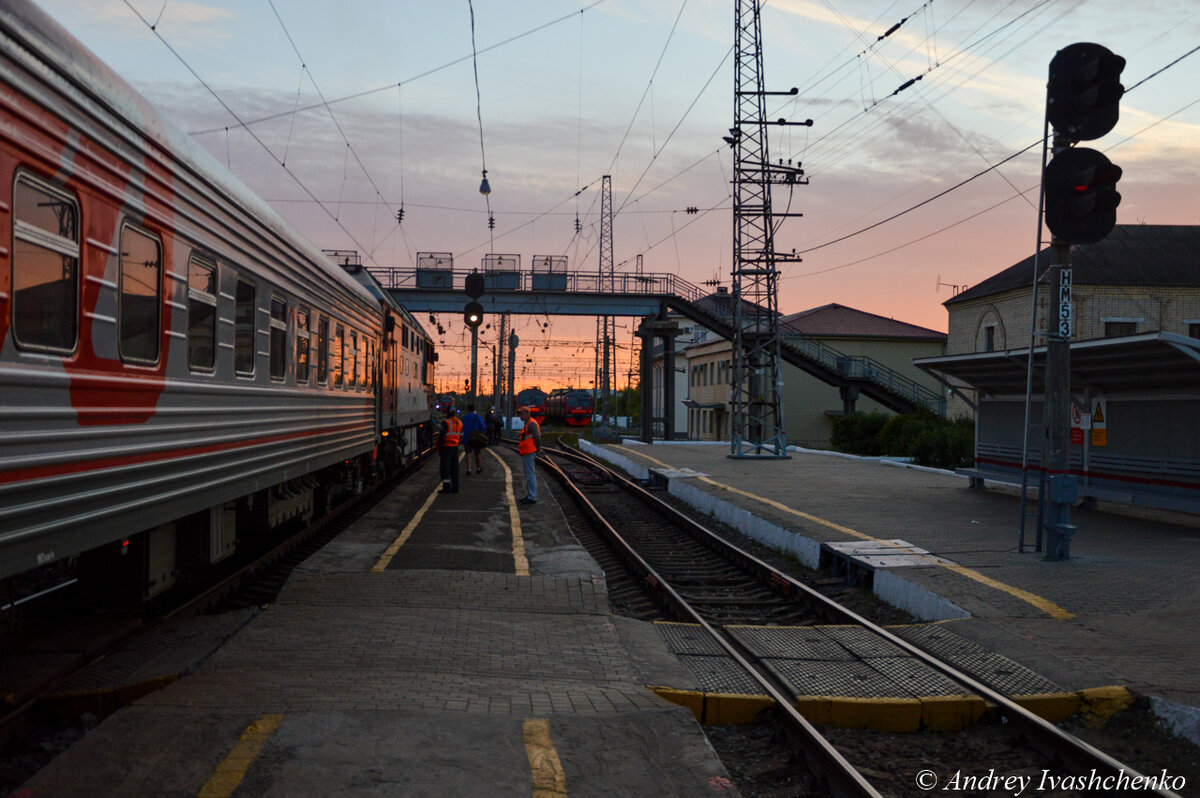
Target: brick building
pixel 1135 360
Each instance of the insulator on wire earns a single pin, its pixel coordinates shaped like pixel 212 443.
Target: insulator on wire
pixel 491 222
pixel 400 215
pixel 578 226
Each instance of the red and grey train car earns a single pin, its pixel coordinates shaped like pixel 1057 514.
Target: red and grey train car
pixel 179 368
pixel 535 400
pixel 572 406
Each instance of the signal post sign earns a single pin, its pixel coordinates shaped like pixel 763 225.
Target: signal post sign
pixel 1099 422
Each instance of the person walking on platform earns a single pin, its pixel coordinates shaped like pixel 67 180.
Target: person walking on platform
pixel 476 438
pixel 528 445
pixel 494 425
pixel 448 437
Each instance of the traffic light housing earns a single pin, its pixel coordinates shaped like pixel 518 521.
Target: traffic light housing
pixel 474 285
pixel 473 314
pixel 1081 195
pixel 1084 90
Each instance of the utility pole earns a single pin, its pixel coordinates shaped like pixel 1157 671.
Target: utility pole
pixel 756 378
pixel 606 369
pixel 508 397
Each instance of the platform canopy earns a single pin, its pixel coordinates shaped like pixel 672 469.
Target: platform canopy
pixel 1148 362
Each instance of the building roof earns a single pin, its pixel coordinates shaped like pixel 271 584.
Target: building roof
pixel 1131 255
pixel 1157 361
pixel 839 321
pixel 720 304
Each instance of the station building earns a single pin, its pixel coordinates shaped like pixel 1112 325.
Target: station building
pixel 810 404
pixel 1135 366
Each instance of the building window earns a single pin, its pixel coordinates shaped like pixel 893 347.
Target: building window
pixel 202 314
pixel 1117 328
pixel 989 338
pixel 1193 329
pixel 278 338
pixel 45 264
pixel 303 338
pixel 141 295
pixel 243 328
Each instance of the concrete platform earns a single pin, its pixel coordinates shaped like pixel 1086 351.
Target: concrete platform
pixel 1120 612
pixel 480 659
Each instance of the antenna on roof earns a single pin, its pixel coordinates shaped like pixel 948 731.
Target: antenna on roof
pixel 954 289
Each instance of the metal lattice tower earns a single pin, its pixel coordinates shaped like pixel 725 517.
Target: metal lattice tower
pixel 605 418
pixel 756 379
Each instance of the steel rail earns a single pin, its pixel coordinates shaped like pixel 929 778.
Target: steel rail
pixel 1076 756
pixel 822 757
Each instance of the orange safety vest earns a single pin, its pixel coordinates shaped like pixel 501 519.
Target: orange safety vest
pixel 453 432
pixel 526 444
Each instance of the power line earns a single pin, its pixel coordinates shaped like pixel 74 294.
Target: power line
pixel 232 113
pixel 388 87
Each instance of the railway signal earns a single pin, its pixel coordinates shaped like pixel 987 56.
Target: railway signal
pixel 1081 195
pixel 1084 90
pixel 473 314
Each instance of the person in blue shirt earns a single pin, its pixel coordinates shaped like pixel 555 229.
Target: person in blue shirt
pixel 476 438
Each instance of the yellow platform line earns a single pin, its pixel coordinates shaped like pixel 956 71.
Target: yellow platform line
pixel 1043 604
pixel 549 779
pixel 391 550
pixel 520 561
pixel 229 774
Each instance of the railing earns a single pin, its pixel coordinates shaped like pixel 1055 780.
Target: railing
pixel 410 279
pixel 861 367
pixel 855 367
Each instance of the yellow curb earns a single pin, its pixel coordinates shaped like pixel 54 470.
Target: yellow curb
pixel 878 714
pixel 689 699
pixel 1098 704
pixel 729 709
pixel 815 708
pixel 1052 707
pixel 951 712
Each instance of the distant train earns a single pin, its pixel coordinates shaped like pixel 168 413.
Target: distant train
pixel 535 400
pixel 181 372
pixel 572 406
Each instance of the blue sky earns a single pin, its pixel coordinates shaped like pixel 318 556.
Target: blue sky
pixel 563 105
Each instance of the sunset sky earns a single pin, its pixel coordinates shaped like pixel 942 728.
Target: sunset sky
pixel 642 90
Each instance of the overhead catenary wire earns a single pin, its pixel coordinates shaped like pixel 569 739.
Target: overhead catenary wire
pixel 390 86
pixel 254 136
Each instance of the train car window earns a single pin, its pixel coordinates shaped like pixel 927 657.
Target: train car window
pixel 302 346
pixel 141 295
pixel 202 314
pixel 45 264
pixel 244 327
pixel 279 311
pixel 352 366
pixel 339 355
pixel 323 351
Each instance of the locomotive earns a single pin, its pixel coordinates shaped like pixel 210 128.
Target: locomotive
pixel 535 400
pixel 573 406
pixel 180 370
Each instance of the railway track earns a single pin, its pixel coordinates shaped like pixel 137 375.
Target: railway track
pixel 697 576
pixel 254 582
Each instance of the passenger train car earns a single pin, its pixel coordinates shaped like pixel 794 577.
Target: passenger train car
pixel 535 400
pixel 573 406
pixel 180 370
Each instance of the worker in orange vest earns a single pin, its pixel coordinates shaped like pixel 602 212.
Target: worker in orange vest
pixel 528 444
pixel 448 438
